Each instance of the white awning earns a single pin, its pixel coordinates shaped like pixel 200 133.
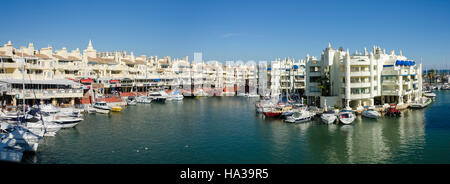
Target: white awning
pixel 48 82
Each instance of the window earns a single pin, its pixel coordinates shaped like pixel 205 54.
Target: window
pixel 314 79
pixel 314 69
pixel 314 89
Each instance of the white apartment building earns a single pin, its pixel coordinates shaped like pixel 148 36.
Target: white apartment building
pixel 362 79
pixel 285 77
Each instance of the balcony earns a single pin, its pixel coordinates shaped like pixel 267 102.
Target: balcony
pixel 360 63
pixel 357 73
pixel 406 92
pixel 360 96
pixel 314 84
pixel 314 74
pixel 10 65
pixel 35 66
pixel 390 92
pixel 66 66
pixel 390 82
pixel 297 86
pixel 359 84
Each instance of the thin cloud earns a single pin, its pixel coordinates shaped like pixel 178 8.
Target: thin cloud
pixel 228 35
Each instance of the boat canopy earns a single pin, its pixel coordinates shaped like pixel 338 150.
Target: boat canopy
pixel 86 80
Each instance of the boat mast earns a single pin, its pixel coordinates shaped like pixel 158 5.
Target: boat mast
pixel 23 82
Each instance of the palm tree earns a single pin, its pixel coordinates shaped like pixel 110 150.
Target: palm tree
pixel 325 85
pixel 431 75
pixel 442 77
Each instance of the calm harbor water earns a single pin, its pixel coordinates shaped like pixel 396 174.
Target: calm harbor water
pixel 227 130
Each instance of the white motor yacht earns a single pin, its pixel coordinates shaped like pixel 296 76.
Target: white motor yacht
pixel 102 106
pixel 429 94
pixel 47 126
pixel 421 103
pixel 346 117
pixel 52 110
pixel 131 100
pixel 64 121
pixel 174 96
pixel 300 117
pixel 371 113
pixel 144 100
pixel 157 96
pixel 328 117
pixel 177 96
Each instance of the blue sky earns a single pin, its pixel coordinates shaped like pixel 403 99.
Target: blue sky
pixel 232 30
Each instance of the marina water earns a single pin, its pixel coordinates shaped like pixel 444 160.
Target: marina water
pixel 228 130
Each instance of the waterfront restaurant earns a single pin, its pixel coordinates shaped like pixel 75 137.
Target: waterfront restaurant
pixel 56 91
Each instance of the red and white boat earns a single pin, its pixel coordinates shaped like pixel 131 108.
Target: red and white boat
pixel 272 113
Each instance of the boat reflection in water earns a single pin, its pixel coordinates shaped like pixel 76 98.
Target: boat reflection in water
pixel 388 140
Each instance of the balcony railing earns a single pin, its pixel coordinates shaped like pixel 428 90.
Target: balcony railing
pixel 390 92
pixel 46 93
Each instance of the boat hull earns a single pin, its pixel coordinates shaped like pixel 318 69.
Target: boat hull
pixel 417 106
pixel 131 102
pixel 68 124
pixel 346 118
pixel 299 120
pixel 116 109
pixel 159 100
pixel 102 108
pixel 328 119
pixel 370 115
pixel 272 114
pixel 102 111
pixel 346 121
